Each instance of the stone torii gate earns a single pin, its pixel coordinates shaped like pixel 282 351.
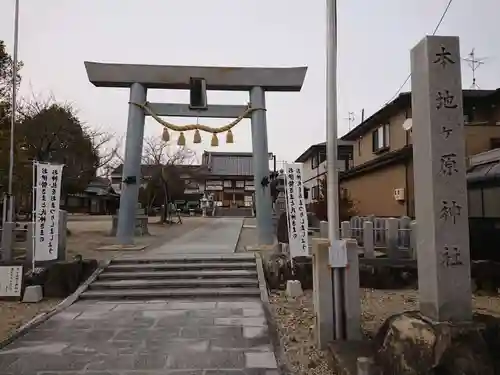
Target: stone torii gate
pixel 140 78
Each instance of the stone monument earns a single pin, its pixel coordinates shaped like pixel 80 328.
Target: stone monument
pixel 442 337
pixel 443 255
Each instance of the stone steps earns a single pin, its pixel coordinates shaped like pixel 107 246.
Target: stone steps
pixel 158 266
pixel 191 293
pixel 174 283
pixel 179 274
pixel 195 258
pixel 177 277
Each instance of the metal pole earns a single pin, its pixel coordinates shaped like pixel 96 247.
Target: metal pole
pixel 331 151
pixel 14 110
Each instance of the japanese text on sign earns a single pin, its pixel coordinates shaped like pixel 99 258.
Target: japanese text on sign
pixel 446 101
pixel 10 281
pixel 296 211
pixel 47 192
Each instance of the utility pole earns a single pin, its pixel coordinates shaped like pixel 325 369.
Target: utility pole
pixel 474 63
pixel 13 114
pixel 331 153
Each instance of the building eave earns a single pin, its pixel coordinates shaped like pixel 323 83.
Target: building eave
pixel 395 157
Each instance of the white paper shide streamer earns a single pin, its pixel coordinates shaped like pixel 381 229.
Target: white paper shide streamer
pixel 48 195
pixel 296 211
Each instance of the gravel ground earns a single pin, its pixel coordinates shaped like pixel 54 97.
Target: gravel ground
pixel 295 319
pixel 89 234
pixel 15 314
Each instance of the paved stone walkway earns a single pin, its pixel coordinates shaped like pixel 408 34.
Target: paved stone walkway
pixel 172 338
pixel 225 337
pixel 217 236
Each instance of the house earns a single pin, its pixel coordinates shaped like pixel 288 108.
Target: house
pixel 191 175
pixel 99 198
pixel 381 178
pixel 314 166
pixel 230 178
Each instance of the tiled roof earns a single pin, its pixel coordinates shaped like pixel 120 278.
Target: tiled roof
pixel 229 163
pixel 149 169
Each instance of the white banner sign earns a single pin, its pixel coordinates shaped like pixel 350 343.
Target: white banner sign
pixel 48 194
pixel 11 281
pixel 296 211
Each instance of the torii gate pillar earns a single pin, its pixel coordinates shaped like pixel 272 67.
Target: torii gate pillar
pixel 141 77
pixel 131 166
pixel 263 202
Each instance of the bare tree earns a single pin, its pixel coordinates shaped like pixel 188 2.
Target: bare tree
pixel 158 152
pixel 165 161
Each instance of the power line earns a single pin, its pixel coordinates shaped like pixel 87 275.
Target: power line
pixel 433 33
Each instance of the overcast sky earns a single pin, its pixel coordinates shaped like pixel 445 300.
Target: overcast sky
pixel 57 36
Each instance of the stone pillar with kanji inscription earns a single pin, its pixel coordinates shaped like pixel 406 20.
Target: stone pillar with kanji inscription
pixel 440 180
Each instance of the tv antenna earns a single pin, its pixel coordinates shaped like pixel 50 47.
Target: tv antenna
pixel 474 63
pixel 350 118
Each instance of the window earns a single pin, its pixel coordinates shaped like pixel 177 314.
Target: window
pixel 322 157
pixel 228 183
pixel 315 193
pixel 240 184
pixel 314 161
pixel 494 143
pixel 359 147
pixel 380 138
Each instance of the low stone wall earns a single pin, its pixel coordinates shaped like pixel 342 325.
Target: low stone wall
pixel 485 274
pixel 59 280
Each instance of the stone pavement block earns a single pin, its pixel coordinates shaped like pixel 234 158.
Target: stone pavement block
pixel 253 332
pixel 105 348
pixel 175 305
pixel 228 332
pixel 134 334
pixel 171 314
pixel 6 360
pixel 244 346
pixel 174 345
pixel 74 325
pixel 218 359
pixel 99 335
pixel 253 312
pixel 261 360
pixel 245 322
pixel 255 305
pixel 240 343
pixel 140 306
pixel 184 320
pixel 35 363
pixel 245 371
pixel 141 361
pixel 34 348
pixel 216 313
pixel 65 315
pixel 81 306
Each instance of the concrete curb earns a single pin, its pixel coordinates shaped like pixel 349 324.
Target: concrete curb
pixel 68 301
pixel 239 235
pixel 273 328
